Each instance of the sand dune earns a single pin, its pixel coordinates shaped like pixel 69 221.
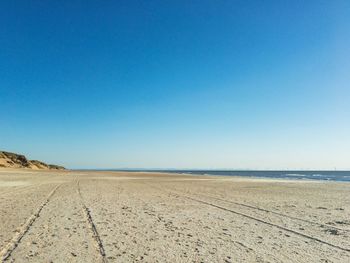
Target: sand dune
pixel 61 216
pixel 14 160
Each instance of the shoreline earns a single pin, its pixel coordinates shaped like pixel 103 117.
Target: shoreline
pixel 231 176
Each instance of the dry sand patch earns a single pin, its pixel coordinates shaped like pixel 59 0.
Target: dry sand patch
pixel 129 217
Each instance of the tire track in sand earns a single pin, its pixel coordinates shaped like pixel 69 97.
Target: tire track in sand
pixel 5 253
pixel 182 195
pixel 92 226
pixel 267 211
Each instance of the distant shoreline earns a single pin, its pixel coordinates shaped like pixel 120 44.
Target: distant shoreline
pixel 302 175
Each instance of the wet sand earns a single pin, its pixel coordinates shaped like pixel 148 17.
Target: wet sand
pixel 81 216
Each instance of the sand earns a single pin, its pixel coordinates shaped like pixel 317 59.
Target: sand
pixel 81 216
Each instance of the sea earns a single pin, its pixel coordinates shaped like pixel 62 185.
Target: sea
pixel 341 176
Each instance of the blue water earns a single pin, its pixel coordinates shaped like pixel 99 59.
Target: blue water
pixel 343 176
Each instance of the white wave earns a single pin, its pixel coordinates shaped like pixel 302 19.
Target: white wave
pixel 296 175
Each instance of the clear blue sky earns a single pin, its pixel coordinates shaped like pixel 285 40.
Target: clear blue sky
pixel 177 84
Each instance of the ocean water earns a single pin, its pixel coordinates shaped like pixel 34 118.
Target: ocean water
pixel 343 176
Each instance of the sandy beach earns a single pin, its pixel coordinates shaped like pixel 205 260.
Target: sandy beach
pixel 87 216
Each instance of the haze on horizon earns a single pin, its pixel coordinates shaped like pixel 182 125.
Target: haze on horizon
pixel 181 84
